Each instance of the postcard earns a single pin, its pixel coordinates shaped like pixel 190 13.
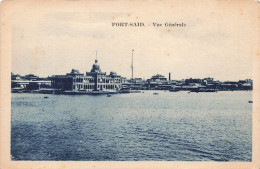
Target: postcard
pixel 130 84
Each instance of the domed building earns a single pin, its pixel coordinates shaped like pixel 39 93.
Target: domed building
pixel 95 80
pixel 103 82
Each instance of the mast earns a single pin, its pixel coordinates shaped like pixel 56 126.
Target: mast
pixel 132 66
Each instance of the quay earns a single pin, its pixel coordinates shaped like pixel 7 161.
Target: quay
pixel 65 85
pixel 96 82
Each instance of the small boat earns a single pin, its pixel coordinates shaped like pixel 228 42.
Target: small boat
pixel 250 101
pixel 155 93
pixel 109 95
pixel 46 97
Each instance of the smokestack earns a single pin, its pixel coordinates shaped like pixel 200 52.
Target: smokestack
pixel 169 76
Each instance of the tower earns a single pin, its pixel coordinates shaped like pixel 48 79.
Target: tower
pixel 132 66
pixel 96 67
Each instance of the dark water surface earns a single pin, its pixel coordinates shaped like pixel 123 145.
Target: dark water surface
pixel 177 126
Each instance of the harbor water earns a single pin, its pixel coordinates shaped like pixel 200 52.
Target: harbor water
pixel 170 126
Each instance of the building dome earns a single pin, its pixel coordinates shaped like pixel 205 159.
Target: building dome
pixel 95 67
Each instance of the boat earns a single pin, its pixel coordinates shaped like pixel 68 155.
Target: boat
pixel 109 95
pixel 250 101
pixel 46 97
pixel 155 93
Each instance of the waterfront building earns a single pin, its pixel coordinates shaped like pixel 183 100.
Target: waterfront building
pixel 156 81
pixel 135 83
pixel 213 85
pixel 138 81
pixel 31 77
pixel 28 83
pixel 70 82
pixel 159 79
pixel 95 80
pixel 15 77
pixel 245 84
pixel 192 81
pixel 125 80
pixel 208 80
pixel 229 85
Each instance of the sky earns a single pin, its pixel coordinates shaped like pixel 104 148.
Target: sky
pixel 52 37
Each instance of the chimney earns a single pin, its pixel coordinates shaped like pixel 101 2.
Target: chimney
pixel 169 76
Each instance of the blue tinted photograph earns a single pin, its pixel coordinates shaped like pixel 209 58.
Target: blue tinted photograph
pixel 95 82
